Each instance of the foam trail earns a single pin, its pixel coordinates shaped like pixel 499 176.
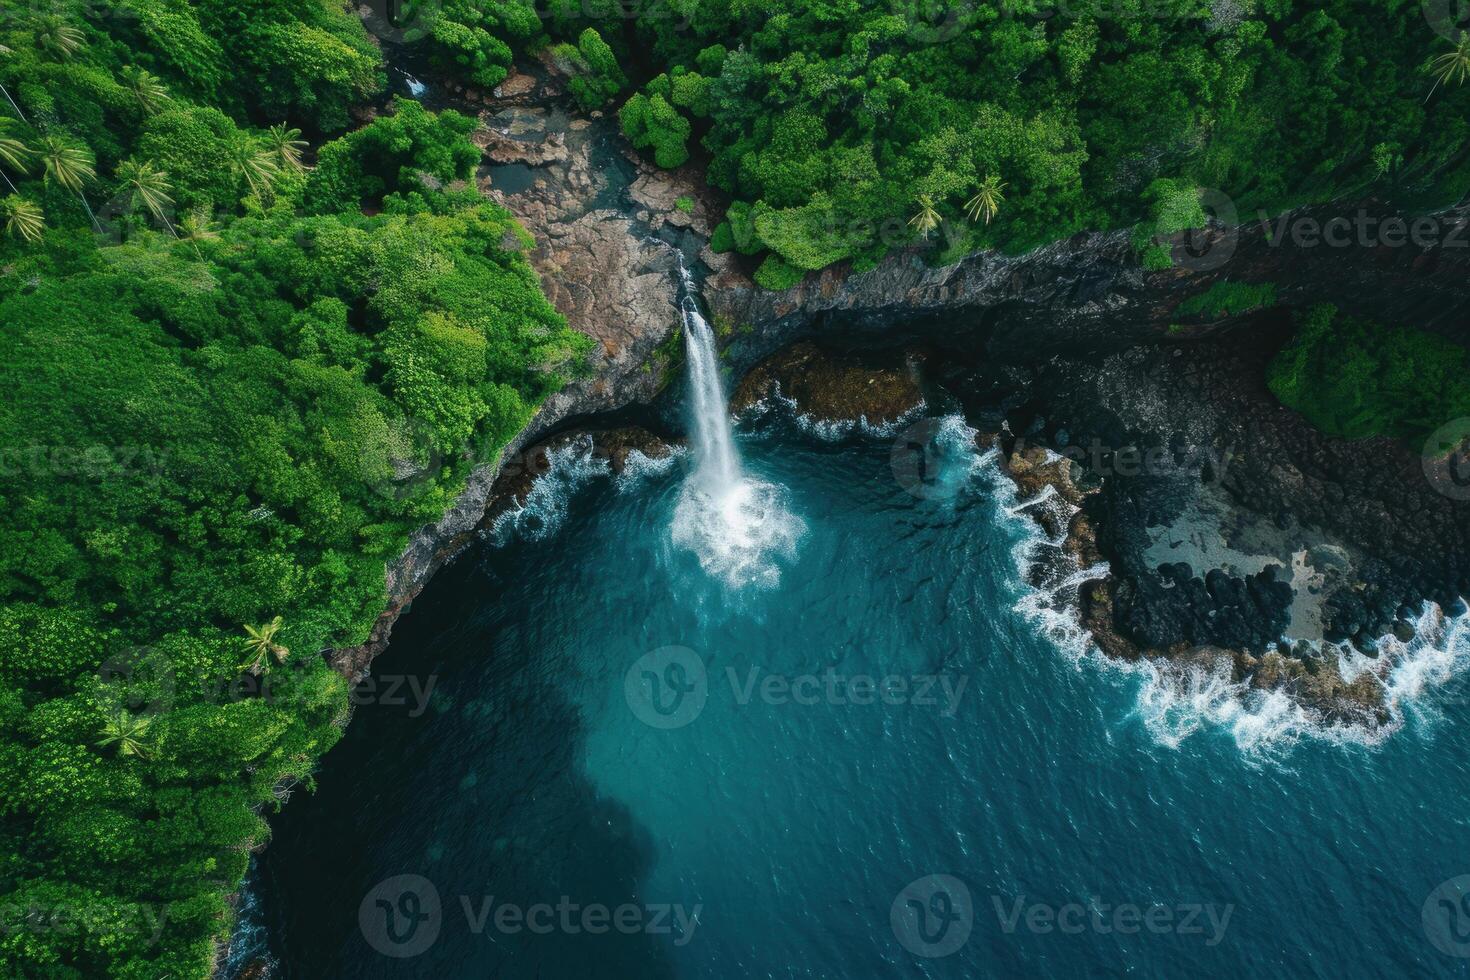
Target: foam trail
pixel 541 514
pixel 1176 701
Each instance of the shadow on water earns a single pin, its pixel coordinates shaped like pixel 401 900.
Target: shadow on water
pixel 380 811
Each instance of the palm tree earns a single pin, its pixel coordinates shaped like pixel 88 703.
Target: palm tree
pixel 148 91
pixel 13 154
pixel 927 219
pixel 257 165
pixel 987 200
pixel 148 185
pixel 194 228
pixel 285 145
pixel 56 37
pixel 23 219
pixel 66 163
pixel 127 733
pixel 1452 66
pixel 261 642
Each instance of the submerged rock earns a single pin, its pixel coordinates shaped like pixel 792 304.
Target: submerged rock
pixel 828 387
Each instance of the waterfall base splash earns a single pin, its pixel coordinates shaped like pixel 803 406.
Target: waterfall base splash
pixel 737 531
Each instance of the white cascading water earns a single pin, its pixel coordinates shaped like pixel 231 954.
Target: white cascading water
pixel 714 443
pixel 736 525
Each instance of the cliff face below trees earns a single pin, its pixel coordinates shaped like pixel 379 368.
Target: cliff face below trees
pixel 1072 345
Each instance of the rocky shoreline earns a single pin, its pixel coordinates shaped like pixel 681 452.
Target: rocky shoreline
pixel 1073 345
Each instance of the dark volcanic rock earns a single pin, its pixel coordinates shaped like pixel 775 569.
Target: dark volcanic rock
pixel 1072 342
pixel 832 387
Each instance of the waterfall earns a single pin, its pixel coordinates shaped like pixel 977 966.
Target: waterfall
pixel 736 525
pixel 714 444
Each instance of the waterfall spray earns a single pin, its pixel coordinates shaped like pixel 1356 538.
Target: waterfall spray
pixel 736 525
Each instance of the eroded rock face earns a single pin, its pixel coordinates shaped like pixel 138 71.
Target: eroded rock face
pixel 600 268
pixel 612 447
pixel 1089 292
pixel 829 387
pixel 1076 327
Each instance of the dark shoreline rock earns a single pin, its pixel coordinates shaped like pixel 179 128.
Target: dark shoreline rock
pixel 831 387
pixel 1051 327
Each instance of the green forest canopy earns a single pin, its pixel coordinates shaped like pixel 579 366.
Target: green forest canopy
pixel 229 399
pixel 236 384
pixel 840 129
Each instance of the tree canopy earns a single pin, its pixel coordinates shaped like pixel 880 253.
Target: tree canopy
pixel 234 386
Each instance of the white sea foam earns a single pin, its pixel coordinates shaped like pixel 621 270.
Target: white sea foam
pixel 1175 701
pixel 740 533
pixel 570 467
pixel 639 469
pixel 831 430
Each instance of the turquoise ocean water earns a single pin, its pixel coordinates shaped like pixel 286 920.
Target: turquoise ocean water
pixel 875 758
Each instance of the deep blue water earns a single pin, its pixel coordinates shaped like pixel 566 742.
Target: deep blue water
pixel 801 832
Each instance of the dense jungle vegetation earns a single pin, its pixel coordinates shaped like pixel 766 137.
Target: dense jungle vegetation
pixel 231 392
pixel 842 129
pixel 245 354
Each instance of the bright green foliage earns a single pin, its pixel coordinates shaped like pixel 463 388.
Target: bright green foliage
pixel 217 431
pixel 196 143
pixel 722 239
pixel 1092 116
pixel 1355 379
pixel 474 39
pixel 1227 298
pixel 306 61
pixel 393 154
pixel 777 274
pixel 596 77
pixel 650 122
